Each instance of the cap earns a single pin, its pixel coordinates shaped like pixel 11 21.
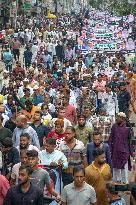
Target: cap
pixel 35 87
pixel 121 114
pixel 6 71
pixel 26 80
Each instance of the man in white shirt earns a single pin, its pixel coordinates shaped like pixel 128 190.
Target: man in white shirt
pixel 78 192
pixel 110 102
pixel 35 49
pixel 79 62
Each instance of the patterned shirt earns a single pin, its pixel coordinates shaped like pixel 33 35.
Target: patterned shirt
pixel 75 156
pixel 119 201
pixel 84 101
pixel 103 123
pixel 83 134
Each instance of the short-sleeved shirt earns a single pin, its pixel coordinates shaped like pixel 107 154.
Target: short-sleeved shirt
pixel 119 201
pixel 85 196
pixel 15 196
pixel 40 178
pixel 75 156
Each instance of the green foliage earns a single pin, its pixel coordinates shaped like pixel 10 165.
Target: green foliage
pixel 120 8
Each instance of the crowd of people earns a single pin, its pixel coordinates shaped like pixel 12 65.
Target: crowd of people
pixel 67 94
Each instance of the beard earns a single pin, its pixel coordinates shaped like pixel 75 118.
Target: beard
pixel 81 125
pixel 101 162
pixel 22 182
pixel 23 146
pixel 18 126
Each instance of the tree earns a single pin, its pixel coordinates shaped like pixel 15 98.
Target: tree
pixel 121 8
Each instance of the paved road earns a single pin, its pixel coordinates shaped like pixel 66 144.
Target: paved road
pixel 133 116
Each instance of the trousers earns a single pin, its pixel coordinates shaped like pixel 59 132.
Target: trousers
pixel 121 175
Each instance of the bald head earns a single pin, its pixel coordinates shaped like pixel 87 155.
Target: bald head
pixel 2 108
pixel 21 121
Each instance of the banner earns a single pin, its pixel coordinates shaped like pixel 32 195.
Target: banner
pixel 55 175
pixel 105 46
pixel 103 35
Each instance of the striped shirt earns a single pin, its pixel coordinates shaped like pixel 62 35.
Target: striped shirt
pixel 75 155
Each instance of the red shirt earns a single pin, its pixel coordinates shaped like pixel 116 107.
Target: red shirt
pixel 59 137
pixel 4 186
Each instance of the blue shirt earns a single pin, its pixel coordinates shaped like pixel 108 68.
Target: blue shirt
pixel 7 56
pixel 90 148
pixel 38 99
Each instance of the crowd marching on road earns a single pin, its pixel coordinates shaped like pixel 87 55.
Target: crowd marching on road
pixel 66 133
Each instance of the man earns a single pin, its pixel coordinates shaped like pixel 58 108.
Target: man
pixel 5 80
pixel 25 192
pixel 27 57
pixel 3 113
pixel 69 53
pixel 29 110
pixel 15 168
pixel 87 99
pixel 26 96
pixel 113 196
pixel 78 192
pixel 79 62
pixel 83 133
pixel 52 157
pixel 47 59
pixel 23 127
pixel 11 123
pixel 34 50
pixel 74 150
pixel 59 51
pixel 70 111
pixel 89 112
pixel 41 130
pixel 9 105
pixel 97 142
pixel 133 195
pixel 110 102
pixel 38 95
pixel 40 177
pixel 8 58
pixel 61 114
pixel 25 143
pixel 18 70
pixel 4 132
pixel 15 47
pixel 89 60
pixel 4 186
pixel 47 100
pixel 10 155
pixel 103 122
pixel 124 99
pixel 131 88
pixel 120 148
pixel 97 174
pixel 99 87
